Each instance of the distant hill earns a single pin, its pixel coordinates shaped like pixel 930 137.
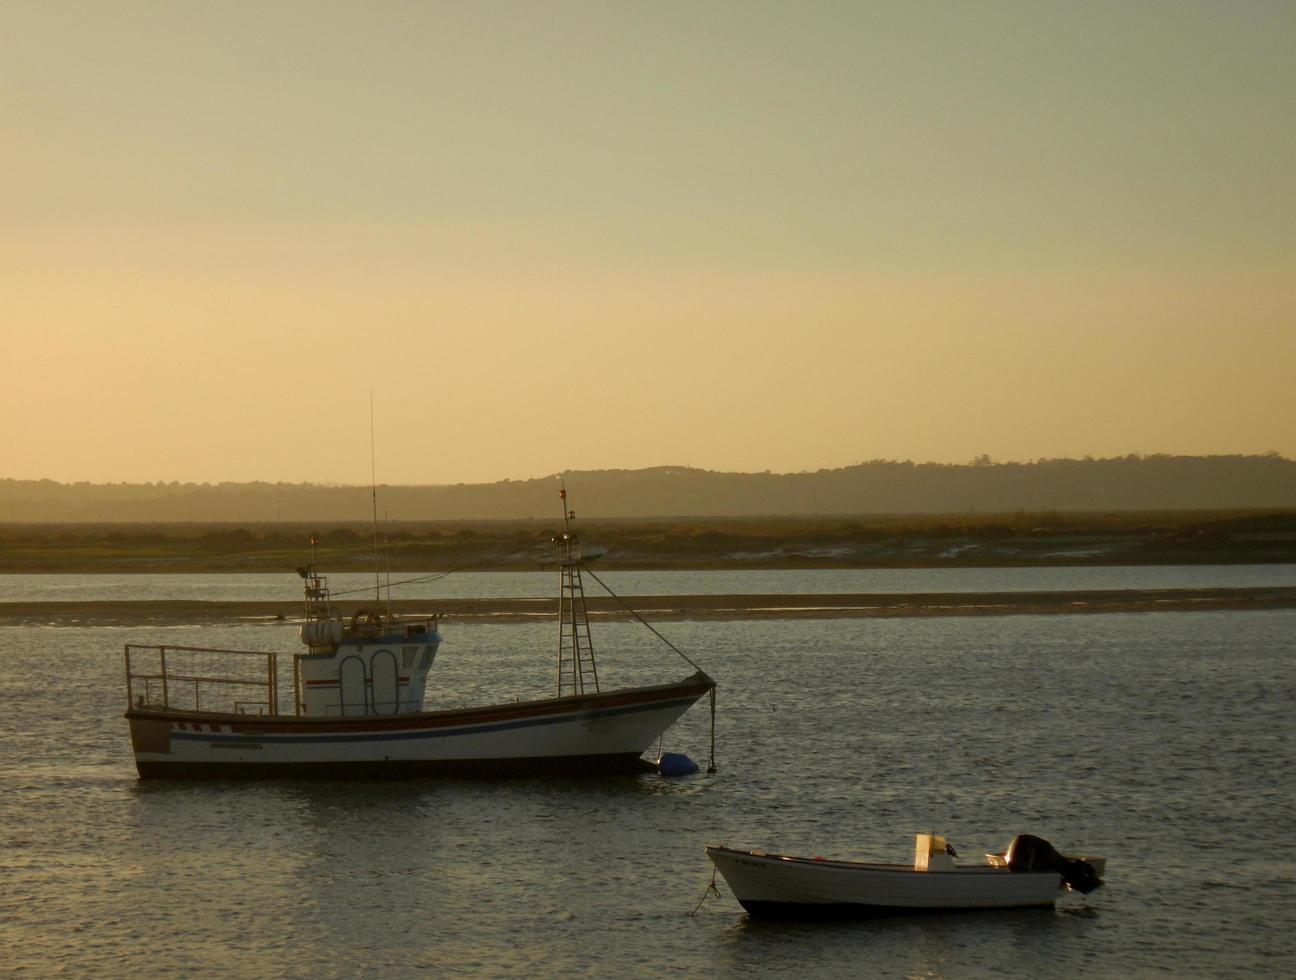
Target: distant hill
pixel 1127 483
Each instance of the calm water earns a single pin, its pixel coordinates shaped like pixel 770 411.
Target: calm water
pixel 1161 740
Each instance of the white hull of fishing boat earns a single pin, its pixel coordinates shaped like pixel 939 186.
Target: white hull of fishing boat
pixel 784 886
pixel 580 733
pixel 358 694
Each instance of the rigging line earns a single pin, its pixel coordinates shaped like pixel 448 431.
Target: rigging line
pixel 365 549
pixel 645 622
pixel 373 486
pixel 439 575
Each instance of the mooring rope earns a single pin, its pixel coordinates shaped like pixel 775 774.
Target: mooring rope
pixel 711 889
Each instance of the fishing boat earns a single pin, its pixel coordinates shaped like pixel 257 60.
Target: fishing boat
pixel 1029 874
pixel 352 704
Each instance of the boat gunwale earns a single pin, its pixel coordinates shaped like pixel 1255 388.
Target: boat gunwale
pixel 843 865
pixel 694 686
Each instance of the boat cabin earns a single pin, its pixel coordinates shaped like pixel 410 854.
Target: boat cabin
pixel 371 664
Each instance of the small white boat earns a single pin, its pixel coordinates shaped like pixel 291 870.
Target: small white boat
pixel 1029 875
pixel 357 702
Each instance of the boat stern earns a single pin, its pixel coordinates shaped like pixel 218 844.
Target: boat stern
pixel 149 736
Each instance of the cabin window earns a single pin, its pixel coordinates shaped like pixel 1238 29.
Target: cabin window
pixel 407 656
pixel 352 684
pixel 425 661
pixel 385 684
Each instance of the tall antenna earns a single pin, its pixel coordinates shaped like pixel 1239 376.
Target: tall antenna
pixel 373 486
pixel 387 553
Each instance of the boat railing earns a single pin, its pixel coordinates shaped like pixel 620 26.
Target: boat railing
pixel 202 679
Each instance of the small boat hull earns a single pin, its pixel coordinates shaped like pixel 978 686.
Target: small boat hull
pixel 779 886
pixel 581 734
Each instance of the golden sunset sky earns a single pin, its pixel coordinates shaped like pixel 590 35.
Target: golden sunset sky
pixel 738 236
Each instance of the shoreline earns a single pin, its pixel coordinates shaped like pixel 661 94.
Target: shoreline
pixel 783 563
pixel 671 607
pixel 962 540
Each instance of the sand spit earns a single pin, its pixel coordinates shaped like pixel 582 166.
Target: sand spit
pixel 676 607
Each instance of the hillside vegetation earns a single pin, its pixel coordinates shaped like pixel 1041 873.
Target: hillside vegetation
pixel 1129 483
pixel 1022 538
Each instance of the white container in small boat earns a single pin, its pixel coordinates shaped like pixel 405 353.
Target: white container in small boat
pixel 930 853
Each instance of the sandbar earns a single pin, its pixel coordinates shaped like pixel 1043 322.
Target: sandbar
pixel 673 607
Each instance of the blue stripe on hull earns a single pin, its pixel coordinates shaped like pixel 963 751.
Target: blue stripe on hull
pixel 589 765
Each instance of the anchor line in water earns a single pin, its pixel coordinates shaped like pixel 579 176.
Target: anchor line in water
pixel 711 766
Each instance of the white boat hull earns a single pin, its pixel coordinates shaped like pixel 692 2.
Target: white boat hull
pixel 596 732
pixel 781 886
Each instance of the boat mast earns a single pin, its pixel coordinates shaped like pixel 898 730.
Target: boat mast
pixel 577 671
pixel 318 604
pixel 373 487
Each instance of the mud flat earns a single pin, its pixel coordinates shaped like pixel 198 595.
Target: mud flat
pixel 677 607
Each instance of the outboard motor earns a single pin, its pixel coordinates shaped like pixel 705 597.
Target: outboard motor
pixel 1027 853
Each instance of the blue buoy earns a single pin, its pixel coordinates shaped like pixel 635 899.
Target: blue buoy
pixel 676 764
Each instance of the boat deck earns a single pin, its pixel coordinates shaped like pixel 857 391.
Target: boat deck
pixel 823 862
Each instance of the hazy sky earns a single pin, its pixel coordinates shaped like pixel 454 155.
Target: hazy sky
pixel 739 236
